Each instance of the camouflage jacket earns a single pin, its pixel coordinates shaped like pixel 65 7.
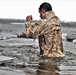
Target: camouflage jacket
pixel 48 31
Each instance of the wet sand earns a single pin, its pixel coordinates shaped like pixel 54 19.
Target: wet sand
pixel 26 59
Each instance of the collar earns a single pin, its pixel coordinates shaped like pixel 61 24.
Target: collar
pixel 48 14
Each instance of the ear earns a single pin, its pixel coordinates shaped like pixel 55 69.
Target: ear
pixel 43 11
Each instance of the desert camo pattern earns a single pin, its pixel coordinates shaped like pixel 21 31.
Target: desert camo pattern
pixel 48 32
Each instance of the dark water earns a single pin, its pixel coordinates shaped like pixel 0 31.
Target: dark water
pixel 25 54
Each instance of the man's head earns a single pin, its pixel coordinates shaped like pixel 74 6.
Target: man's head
pixel 44 7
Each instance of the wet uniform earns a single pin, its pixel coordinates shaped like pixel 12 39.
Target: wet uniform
pixel 48 31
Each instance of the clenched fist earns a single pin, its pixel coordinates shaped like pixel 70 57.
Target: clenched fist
pixel 29 18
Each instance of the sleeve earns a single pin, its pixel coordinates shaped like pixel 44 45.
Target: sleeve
pixel 33 30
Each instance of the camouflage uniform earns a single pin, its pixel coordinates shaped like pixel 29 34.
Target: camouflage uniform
pixel 48 31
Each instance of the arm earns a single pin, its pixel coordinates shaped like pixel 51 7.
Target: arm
pixel 32 30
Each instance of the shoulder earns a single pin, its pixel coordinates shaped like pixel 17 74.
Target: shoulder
pixel 42 21
pixel 56 19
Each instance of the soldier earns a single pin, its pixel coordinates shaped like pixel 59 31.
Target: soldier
pixel 48 31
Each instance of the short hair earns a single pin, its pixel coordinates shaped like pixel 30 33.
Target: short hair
pixel 46 6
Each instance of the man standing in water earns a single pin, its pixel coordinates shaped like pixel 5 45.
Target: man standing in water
pixel 47 30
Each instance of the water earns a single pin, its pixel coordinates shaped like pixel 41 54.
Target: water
pixel 25 54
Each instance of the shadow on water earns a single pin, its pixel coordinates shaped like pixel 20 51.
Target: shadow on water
pixel 48 68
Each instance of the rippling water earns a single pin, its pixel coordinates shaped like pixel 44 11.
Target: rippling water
pixel 25 54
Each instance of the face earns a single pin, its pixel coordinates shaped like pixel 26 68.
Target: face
pixel 41 12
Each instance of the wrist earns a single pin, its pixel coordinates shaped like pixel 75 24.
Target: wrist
pixel 27 24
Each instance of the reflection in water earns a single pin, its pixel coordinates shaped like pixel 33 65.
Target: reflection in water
pixel 48 68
